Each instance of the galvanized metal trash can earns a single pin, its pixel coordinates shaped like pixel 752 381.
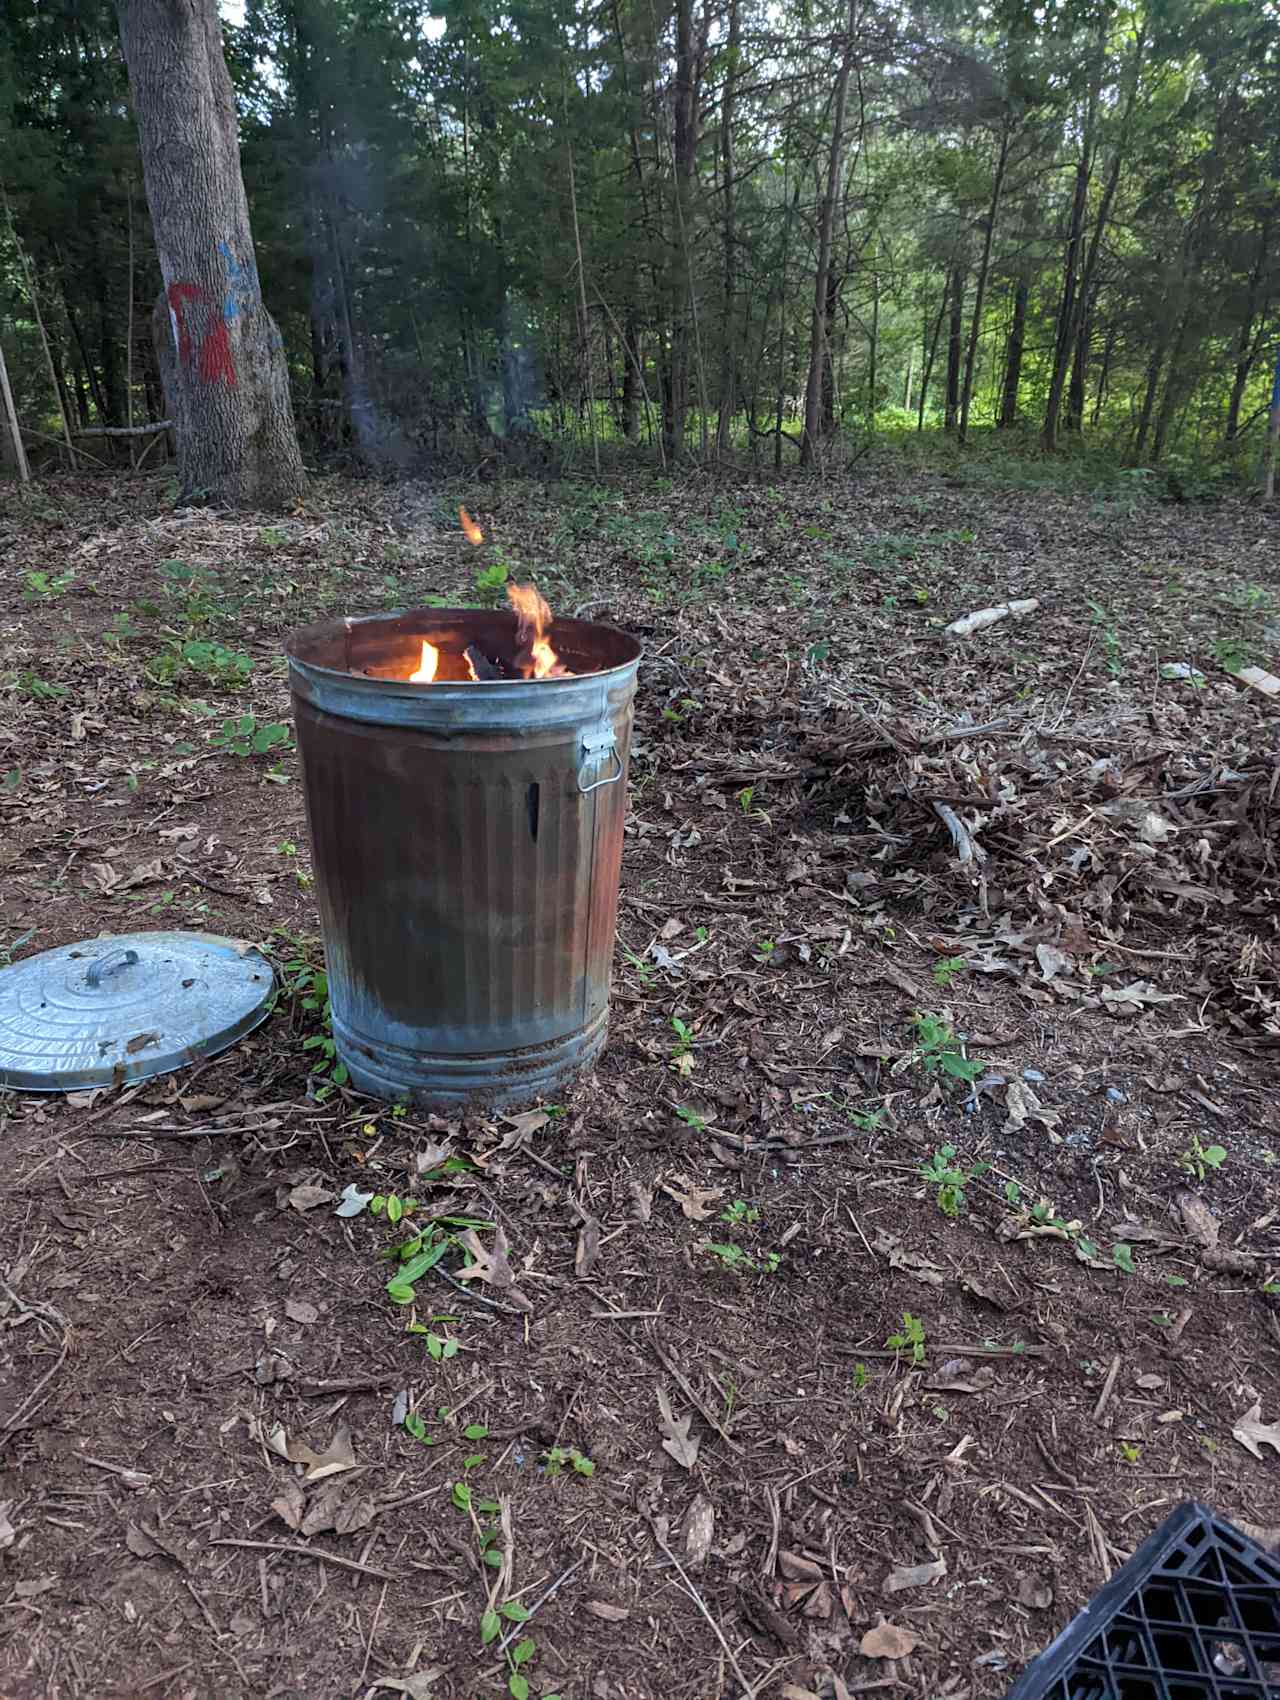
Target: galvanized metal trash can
pixel 467 843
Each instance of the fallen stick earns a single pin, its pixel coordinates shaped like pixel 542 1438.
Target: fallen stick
pixel 307 1552
pixel 967 849
pixel 982 617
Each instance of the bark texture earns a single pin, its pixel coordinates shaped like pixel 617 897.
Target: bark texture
pixel 228 382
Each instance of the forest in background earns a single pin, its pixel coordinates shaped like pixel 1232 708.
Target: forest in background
pixel 712 228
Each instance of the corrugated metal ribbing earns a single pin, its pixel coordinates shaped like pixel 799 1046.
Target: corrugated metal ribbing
pixel 466 872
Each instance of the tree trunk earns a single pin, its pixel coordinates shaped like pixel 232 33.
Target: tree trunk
pixel 1013 356
pixel 1065 335
pixel 954 342
pixel 827 427
pixel 1246 349
pixel 819 352
pixel 1175 387
pixel 984 270
pixel 1074 418
pixel 929 353
pixel 675 377
pixel 1149 397
pixel 1273 437
pixel 728 343
pixel 9 425
pixel 630 378
pixel 233 416
pixel 873 351
pixel 1104 372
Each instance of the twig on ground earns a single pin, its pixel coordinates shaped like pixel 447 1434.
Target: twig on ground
pixel 1108 1387
pixel 749 1691
pixel 538 1604
pixel 47 1317
pixel 307 1552
pixel 967 848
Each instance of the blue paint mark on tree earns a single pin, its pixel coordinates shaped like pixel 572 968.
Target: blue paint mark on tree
pixel 243 285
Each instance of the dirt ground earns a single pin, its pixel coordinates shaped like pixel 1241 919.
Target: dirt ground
pixel 860 856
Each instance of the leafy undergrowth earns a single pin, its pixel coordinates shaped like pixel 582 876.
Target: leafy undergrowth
pixel 912 1250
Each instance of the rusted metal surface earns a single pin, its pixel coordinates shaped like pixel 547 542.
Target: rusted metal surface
pixel 467 841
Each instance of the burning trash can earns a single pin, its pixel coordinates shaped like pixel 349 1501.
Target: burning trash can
pixel 465 777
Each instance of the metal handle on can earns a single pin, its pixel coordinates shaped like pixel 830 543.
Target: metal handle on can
pixel 597 745
pixel 109 964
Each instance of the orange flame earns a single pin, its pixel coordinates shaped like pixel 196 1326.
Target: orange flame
pixel 535 657
pixel 428 665
pixel 470 530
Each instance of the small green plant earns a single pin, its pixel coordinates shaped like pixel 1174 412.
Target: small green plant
pixel 30 685
pixel 555 1460
pixel 212 663
pixel 1110 639
pixel 490 583
pixel 247 736
pixel 1198 1159
pixel 745 797
pixel 909 1338
pixel 946 968
pixel 950 1181
pixel 939 1050
pixel 741 1262
pixel 682 1050
pixel 764 950
pixel 740 1212
pixel 273 536
pixel 44 587
pixel 860 1377
pixel 308 985
pixel 691 1118
pixel 440 1346
pixel 1230 654
pixel 640 966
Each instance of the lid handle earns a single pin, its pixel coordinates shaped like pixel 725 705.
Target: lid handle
pixel 111 963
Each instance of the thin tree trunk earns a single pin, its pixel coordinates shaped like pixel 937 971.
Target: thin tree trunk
pixel 1013 356
pixel 28 278
pixel 1273 437
pixel 728 343
pixel 1104 373
pixel 1246 349
pixel 630 375
pixel 10 421
pixel 929 351
pixel 954 341
pixel 984 269
pixel 675 387
pixel 818 351
pixel 128 335
pixel 1073 419
pixel 911 362
pixel 873 351
pixel 828 411
pixel 232 411
pixel 582 307
pixel 1064 338
pixel 1174 388
pixel 1154 365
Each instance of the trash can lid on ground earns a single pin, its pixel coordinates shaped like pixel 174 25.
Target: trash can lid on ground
pixel 125 1008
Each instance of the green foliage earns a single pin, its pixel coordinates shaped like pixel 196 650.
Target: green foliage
pixel 950 1180
pixel 910 1338
pixel 307 984
pixel 247 736
pixel 46 587
pixel 1199 1159
pixel 939 1051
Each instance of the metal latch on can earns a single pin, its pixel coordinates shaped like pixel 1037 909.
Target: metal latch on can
pixel 599 746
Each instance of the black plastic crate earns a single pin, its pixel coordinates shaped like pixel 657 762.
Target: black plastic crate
pixel 1193 1615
